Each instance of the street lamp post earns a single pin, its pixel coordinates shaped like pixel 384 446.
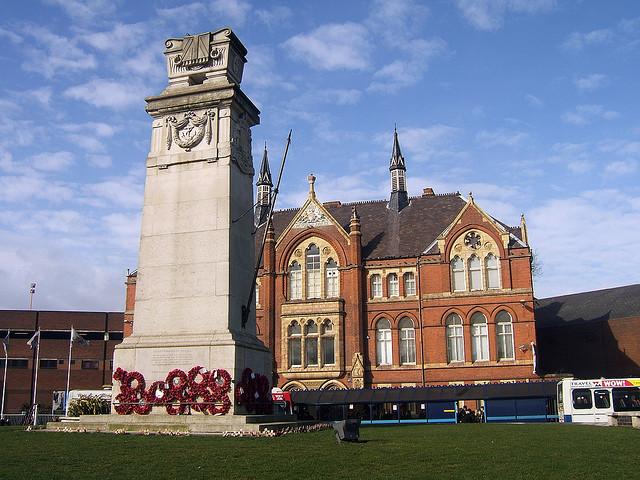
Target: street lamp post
pixel 32 290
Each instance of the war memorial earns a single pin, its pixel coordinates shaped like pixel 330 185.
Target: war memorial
pixel 194 345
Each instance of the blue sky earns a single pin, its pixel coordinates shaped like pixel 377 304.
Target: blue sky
pixel 530 104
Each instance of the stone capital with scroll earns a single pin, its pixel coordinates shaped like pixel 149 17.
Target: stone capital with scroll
pixel 210 57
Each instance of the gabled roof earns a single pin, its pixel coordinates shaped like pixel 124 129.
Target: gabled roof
pixel 599 305
pixel 386 233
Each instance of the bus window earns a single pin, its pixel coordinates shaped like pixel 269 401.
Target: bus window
pixel 601 399
pixel 626 399
pixel 582 398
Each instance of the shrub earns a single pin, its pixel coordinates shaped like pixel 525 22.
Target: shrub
pixel 89 405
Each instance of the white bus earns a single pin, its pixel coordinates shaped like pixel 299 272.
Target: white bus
pixel 592 401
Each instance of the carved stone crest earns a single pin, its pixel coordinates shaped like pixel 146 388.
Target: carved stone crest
pixel 190 131
pixel 312 216
pixel 357 371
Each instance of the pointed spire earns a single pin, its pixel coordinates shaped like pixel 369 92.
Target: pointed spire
pixel 399 197
pixel 397 160
pixel 264 178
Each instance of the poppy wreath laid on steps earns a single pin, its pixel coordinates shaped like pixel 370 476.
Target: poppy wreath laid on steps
pixel 198 390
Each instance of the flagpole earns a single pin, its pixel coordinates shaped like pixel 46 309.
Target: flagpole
pixel 35 385
pixel 66 394
pixel 4 381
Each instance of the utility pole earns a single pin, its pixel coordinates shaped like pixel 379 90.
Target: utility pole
pixel 32 290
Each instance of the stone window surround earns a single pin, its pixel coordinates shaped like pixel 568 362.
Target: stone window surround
pixel 325 371
pixel 384 273
pixel 460 250
pixel 394 320
pixel 468 337
pixel 298 254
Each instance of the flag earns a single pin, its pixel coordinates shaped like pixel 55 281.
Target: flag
pixel 76 337
pixel 33 341
pixel 5 342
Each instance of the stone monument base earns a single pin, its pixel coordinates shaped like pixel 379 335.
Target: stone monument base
pixel 196 424
pixel 154 357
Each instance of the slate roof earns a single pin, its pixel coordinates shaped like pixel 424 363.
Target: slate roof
pixel 386 233
pixel 599 305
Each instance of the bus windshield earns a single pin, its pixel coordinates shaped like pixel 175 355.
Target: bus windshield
pixel 626 399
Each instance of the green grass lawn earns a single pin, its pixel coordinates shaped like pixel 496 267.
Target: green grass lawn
pixel 428 451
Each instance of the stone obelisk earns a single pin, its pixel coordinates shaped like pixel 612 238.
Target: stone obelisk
pixel 196 255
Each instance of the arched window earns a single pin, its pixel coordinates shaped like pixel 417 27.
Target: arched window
pixel 311 343
pixel 392 285
pixel 383 342
pixel 295 281
pixel 493 271
pixel 327 340
pixel 313 271
pixel 475 273
pixel 479 338
pixel 409 284
pixel 407 341
pixel 376 286
pixel 455 339
pixel 332 279
pixel 295 344
pixel 457 274
pixel 504 333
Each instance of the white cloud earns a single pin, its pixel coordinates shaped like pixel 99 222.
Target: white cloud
pixel 108 93
pixel 490 14
pixel 52 53
pixel 579 166
pixel 100 129
pixel 234 10
pixel 500 138
pixel 591 82
pixel 260 70
pixel 424 143
pixel 572 234
pixel 120 38
pixel 533 100
pixel 100 161
pixel 275 16
pixel 52 161
pixel 621 167
pixel 585 114
pixel 10 35
pixel 124 191
pixel 396 22
pixel 408 70
pixel 333 46
pixel 84 11
pixel 21 188
pixel 576 41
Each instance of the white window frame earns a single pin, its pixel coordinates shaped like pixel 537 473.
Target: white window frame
pixel 313 273
pixel 505 339
pixel 407 341
pixel 479 338
pixel 409 284
pixel 461 276
pixel 295 281
pixel 492 270
pixel 477 270
pixel 291 337
pixel 393 285
pixel 332 279
pixel 384 344
pixel 376 285
pixel 455 338
pixel 324 338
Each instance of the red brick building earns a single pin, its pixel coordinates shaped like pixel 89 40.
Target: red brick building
pixel 91 365
pixel 397 292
